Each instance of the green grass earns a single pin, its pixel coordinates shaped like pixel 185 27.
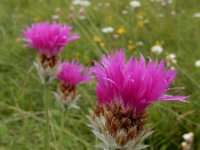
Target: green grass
pixel 21 105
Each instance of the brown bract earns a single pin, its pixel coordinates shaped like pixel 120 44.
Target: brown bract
pixel 119 119
pixel 49 61
pixel 68 90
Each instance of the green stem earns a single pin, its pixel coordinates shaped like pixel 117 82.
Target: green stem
pixel 46 134
pixel 62 125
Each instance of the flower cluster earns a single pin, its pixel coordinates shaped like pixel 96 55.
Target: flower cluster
pixel 49 39
pixel 188 141
pixel 124 88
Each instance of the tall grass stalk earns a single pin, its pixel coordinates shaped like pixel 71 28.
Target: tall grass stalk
pixel 62 126
pixel 46 105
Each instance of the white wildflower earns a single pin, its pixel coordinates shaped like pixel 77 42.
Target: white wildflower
pixel 188 137
pixel 157 49
pixel 135 4
pixel 55 17
pixel 197 15
pixel 107 4
pixel 170 60
pixel 82 17
pixel 115 36
pixel 124 12
pixel 139 43
pixel 107 30
pixel 197 63
pixel 169 1
pixel 172 57
pixel 84 3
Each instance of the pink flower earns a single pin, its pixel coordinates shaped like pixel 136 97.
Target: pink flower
pixel 72 73
pixel 48 38
pixel 134 83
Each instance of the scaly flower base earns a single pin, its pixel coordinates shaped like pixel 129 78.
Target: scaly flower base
pixel 119 128
pixel 45 72
pixel 109 143
pixel 67 99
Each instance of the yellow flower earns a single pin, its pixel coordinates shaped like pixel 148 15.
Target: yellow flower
pixel 17 40
pixel 131 45
pixel 77 54
pixel 102 44
pixel 160 43
pixel 110 18
pixel 37 18
pixel 140 15
pixel 121 30
pixel 140 19
pixel 140 23
pixel 97 39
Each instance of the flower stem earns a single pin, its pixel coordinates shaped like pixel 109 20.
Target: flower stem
pixel 62 125
pixel 46 134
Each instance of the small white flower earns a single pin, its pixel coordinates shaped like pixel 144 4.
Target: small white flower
pixel 124 12
pixel 188 137
pixel 161 15
pixel 169 1
pixel 171 59
pixel 139 43
pixel 84 3
pixel 146 21
pixel 99 5
pixel 115 36
pixel 55 17
pixel 173 13
pixel 107 30
pixel 185 146
pixel 71 8
pixel 172 56
pixel 197 63
pixel 82 17
pixel 107 4
pixel 157 49
pixel 197 15
pixel 135 4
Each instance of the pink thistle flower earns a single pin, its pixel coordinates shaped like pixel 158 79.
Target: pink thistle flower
pixel 72 73
pixel 124 90
pixel 48 39
pixel 134 82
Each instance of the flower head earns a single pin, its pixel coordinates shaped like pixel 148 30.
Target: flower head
pixel 197 15
pixel 134 83
pixel 48 38
pixel 170 60
pixel 188 137
pixel 197 63
pixel 72 73
pixel 135 4
pixel 107 30
pixel 84 3
pixel 121 30
pixel 124 90
pixel 157 49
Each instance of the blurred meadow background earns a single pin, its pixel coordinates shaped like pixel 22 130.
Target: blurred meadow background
pixel 160 29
